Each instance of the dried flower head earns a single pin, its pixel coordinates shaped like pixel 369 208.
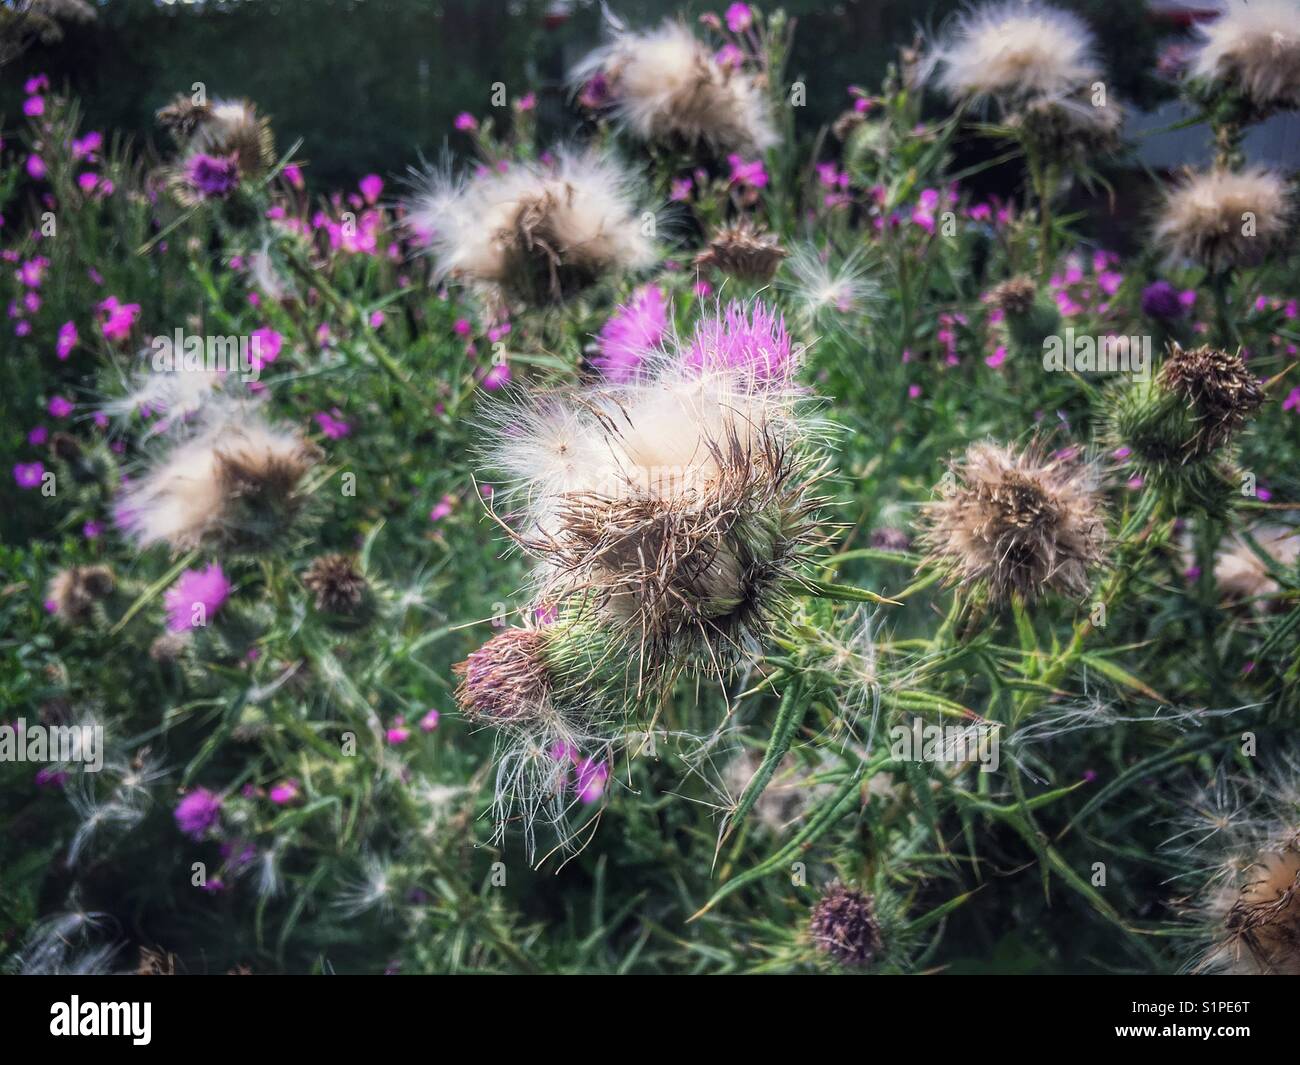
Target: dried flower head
pixel 743 251
pixel 235 484
pixel 1017 522
pixel 665 86
pixel 1013 51
pixel 73 592
pixel 1222 218
pixel 223 144
pixel 339 588
pixel 676 506
pixel 1241 575
pixel 1222 394
pixel 844 926
pixel 1265 919
pixel 1069 127
pixel 532 232
pixel 1253 47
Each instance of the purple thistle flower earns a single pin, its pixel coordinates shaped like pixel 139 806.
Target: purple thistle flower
pixel 213 177
pixel 1161 300
pixel 632 332
pixel 198 812
pixel 753 340
pixel 28 474
pixel 207 588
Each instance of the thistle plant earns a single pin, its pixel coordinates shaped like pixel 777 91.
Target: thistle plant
pixel 668 552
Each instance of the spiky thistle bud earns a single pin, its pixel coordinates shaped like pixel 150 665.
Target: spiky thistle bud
pixel 224 145
pixel 73 592
pixel 744 252
pixel 1179 423
pixel 506 680
pixel 339 588
pixel 1221 392
pixel 1014 296
pixel 1017 522
pixel 844 926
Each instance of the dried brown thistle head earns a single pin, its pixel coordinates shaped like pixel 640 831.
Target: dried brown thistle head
pixel 743 251
pixel 1017 522
pixel 1222 393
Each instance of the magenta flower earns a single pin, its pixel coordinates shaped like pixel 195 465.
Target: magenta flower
pixel 590 778
pixel 526 102
pixel 207 589
pixel 34 106
pixel 750 175
pixel 497 377
pixel 430 721
pixel 28 474
pixel 752 340
pixel 595 94
pixel 86 147
pixel 67 340
pixel 465 122
pixel 36 83
pixel 441 509
pixel 197 812
pixel 38 436
pixel 739 17
pixel 117 319
pixel 35 167
pixel 60 407
pixel 32 272
pixel 1292 401
pixel 92 530
pixel 371 186
pixel 265 346
pixel 398 733
pixel 293 175
pixel 213 177
pixel 632 332
pixel 680 190
pixel 284 793
pixel 332 424
pixel 998 357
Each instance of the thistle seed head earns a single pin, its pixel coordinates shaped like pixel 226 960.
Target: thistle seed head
pixel 664 86
pixel 1017 522
pixel 1222 218
pixel 73 592
pixel 743 251
pixel 1263 925
pixel 1220 391
pixel 534 233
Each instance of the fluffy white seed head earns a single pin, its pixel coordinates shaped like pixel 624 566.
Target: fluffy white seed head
pixel 1254 46
pixel 1013 51
pixel 535 232
pixel 1221 218
pixel 666 87
pixel 197 491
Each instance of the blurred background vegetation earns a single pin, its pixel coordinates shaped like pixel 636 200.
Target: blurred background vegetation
pixel 370 85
